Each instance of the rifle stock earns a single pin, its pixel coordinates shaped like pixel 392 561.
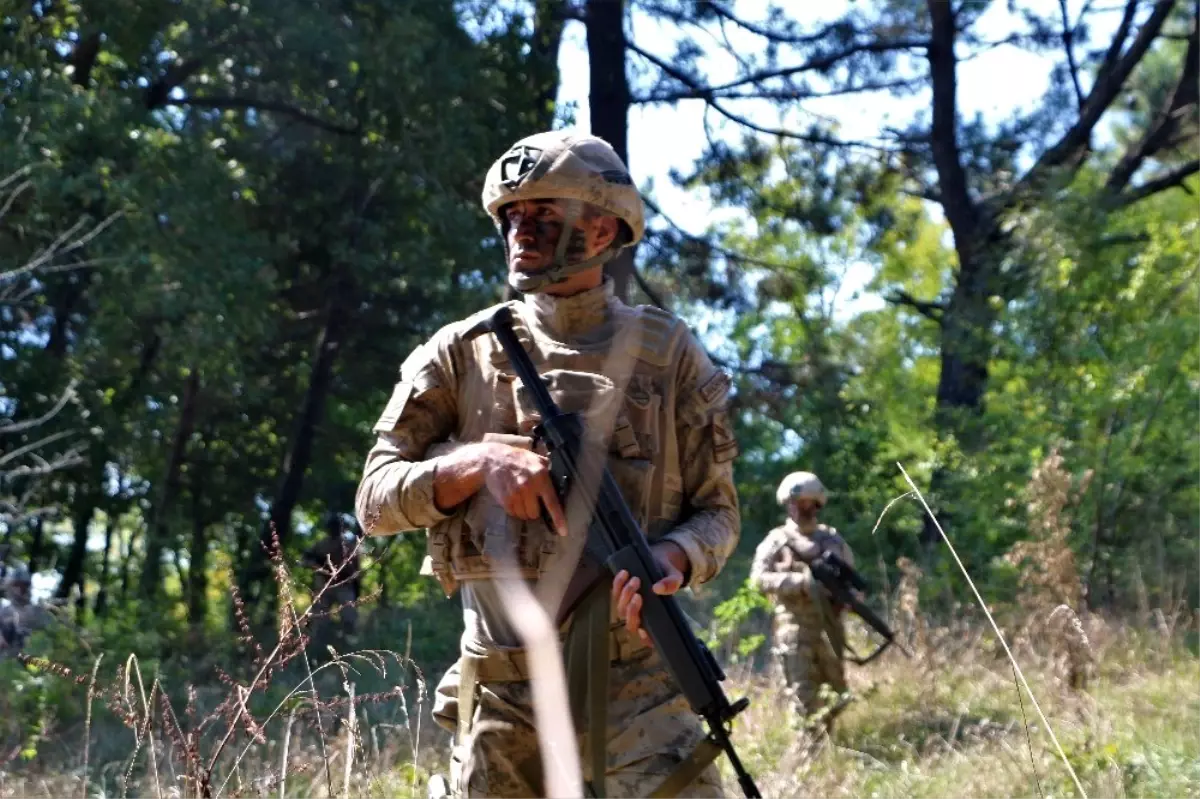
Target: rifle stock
pixel 615 538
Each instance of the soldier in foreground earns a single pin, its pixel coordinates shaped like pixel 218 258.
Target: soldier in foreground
pixel 809 634
pixel 455 455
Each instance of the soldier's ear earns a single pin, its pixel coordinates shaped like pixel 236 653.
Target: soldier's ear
pixel 605 231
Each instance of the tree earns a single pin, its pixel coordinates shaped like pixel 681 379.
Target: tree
pixel 982 180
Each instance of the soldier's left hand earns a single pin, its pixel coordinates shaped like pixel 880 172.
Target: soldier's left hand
pixel 672 562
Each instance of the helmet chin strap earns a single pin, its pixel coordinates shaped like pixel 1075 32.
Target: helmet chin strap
pixel 559 270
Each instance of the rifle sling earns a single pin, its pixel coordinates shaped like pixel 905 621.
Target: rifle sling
pixel 688 770
pixel 587 658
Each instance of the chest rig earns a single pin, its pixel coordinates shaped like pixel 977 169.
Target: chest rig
pixel 642 446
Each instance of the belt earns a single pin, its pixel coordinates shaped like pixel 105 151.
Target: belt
pixel 511 665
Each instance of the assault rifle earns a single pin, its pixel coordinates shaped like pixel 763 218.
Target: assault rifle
pixel 616 541
pixel 844 585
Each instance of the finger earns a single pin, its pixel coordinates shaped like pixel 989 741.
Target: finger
pixel 645 636
pixel 533 507
pixel 669 584
pixel 549 498
pixel 628 594
pixel 619 584
pixel 633 622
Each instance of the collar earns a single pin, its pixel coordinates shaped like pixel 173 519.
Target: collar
pixel 793 527
pixel 575 316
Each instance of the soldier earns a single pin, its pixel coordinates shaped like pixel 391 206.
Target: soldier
pixel 808 628
pixel 454 455
pixel 334 556
pixel 20 618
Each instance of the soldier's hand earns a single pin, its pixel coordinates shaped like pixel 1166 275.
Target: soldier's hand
pixel 520 482
pixel 672 562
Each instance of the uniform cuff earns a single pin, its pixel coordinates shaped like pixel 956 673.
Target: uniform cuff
pixel 415 495
pixel 701 565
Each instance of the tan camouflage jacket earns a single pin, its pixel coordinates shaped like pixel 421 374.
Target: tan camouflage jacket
pixel 670 441
pixel 780 570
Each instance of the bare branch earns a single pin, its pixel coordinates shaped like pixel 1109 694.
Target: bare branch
pixel 285 109
pixel 8 457
pixel 825 62
pixel 1068 37
pixel 775 36
pixel 930 310
pixel 1167 180
pixel 64 398
pixel 57 247
pixel 706 94
pixel 701 93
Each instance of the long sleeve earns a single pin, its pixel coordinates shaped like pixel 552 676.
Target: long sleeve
pixel 396 490
pixel 766 577
pixel 711 522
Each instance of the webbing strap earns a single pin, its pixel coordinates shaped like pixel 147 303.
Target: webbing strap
pixel 687 771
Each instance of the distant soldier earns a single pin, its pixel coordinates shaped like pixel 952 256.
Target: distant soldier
pixel 808 628
pixel 334 558
pixel 20 618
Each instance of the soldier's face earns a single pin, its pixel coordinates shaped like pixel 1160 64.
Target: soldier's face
pixel 534 228
pixel 804 509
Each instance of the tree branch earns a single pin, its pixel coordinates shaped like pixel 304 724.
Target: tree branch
pixel 1068 38
pixel 1162 130
pixel 707 94
pixel 825 62
pixel 1167 180
pixel 292 111
pixel 703 93
pixel 930 310
pixel 776 36
pixel 1109 81
pixel 64 398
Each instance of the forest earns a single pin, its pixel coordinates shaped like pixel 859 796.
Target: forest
pixel 225 224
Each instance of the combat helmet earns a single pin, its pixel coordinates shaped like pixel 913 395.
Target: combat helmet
pixel 573 167
pixel 801 485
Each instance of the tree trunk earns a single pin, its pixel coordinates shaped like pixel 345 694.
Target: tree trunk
pixel 299 454
pixel 158 532
pixel 36 543
pixel 197 586
pixel 608 103
pixel 73 574
pixel 100 609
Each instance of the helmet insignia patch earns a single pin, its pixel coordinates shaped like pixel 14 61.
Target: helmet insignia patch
pixel 516 165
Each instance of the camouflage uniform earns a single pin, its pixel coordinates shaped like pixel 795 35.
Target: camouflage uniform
pixel 809 636
pixel 662 404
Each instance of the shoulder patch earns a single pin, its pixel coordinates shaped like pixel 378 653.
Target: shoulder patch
pixel 715 387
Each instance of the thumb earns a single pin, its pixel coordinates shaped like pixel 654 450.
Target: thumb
pixel 670 583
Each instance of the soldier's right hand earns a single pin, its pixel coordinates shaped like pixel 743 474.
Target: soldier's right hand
pixel 520 481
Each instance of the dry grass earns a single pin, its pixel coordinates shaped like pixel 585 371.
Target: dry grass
pixel 947 723
pixel 924 728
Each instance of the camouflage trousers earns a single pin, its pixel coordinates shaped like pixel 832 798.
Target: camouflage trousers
pixel 811 671
pixel 651 730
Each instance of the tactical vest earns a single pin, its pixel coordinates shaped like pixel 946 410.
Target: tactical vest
pixel 643 449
